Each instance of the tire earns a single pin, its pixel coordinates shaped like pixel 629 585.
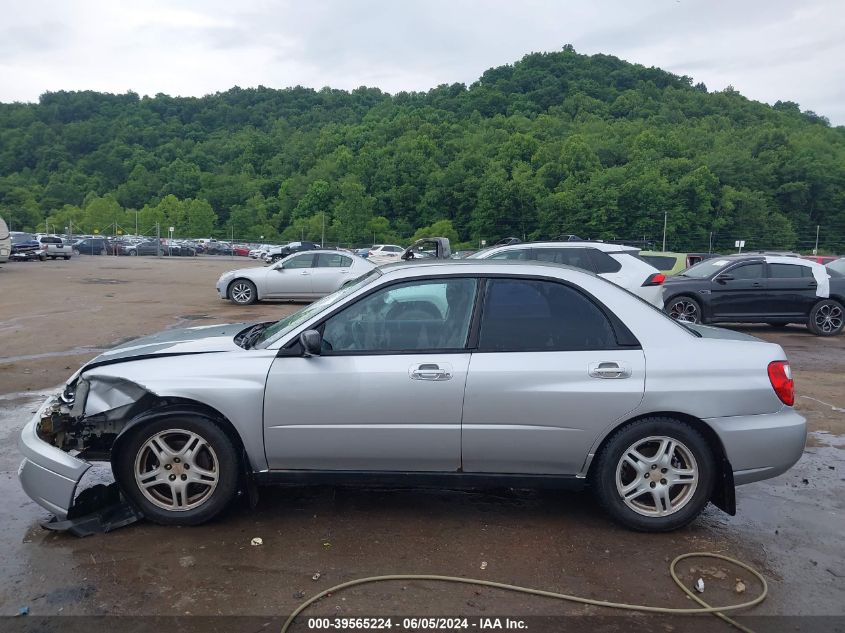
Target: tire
pixel 67 257
pixel 133 253
pixel 242 292
pixel 102 252
pixel 76 251
pixel 826 318
pixel 617 468
pixel 684 308
pixel 211 472
pixel 42 258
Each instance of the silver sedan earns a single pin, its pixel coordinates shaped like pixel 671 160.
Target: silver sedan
pixel 301 276
pixel 510 373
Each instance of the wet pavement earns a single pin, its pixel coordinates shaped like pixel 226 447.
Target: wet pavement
pixel 790 528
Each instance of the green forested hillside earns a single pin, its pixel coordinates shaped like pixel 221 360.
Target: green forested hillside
pixel 555 143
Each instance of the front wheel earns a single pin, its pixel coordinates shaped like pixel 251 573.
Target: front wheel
pixel 826 318
pixel 655 474
pixel 181 470
pixel 243 292
pixel 684 309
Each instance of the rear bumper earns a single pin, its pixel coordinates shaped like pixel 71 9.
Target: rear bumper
pixel 48 474
pixel 761 446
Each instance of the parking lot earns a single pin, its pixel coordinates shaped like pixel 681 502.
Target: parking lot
pixel 56 315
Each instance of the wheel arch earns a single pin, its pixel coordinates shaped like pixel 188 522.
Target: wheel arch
pixel 723 495
pixel 258 294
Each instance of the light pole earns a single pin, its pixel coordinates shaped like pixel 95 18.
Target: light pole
pixel 665 216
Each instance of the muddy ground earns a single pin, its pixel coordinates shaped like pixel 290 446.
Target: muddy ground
pixel 56 315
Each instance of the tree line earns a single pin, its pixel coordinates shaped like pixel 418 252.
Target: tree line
pixel 555 143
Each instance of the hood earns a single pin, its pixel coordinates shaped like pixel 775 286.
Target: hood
pixel 193 340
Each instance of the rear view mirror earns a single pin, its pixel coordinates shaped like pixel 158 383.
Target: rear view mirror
pixel 311 342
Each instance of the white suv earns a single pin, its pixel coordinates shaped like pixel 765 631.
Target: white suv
pixel 615 262
pixel 385 253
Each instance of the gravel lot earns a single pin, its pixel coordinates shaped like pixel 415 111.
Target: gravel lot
pixel 56 315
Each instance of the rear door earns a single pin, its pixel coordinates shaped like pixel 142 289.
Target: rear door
pixel 547 377
pixel 330 272
pixel 791 289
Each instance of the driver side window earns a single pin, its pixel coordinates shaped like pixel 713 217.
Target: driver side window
pixel 414 316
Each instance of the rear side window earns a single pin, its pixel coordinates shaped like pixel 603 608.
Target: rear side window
pixel 526 315
pixel 575 257
pixel 604 263
pixel 786 271
pixel 660 262
pixel 332 260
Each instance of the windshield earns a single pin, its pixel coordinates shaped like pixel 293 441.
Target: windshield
pixel 17 238
pixel 285 325
pixel 705 269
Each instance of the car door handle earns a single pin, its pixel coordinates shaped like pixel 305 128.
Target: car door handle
pixel 430 371
pixel 304 272
pixel 609 369
pixel 756 284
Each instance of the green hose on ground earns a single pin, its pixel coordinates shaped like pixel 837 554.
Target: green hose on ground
pixel 704 608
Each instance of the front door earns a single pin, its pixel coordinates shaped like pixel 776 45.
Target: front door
pixel 290 278
pixel 386 392
pixel 739 292
pixel 548 377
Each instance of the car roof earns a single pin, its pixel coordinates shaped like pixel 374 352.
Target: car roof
pixel 601 246
pixel 451 266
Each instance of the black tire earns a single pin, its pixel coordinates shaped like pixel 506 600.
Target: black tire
pixel 133 253
pixel 242 292
pixel 67 257
pixel 43 258
pixel 217 449
pixel 611 466
pixel 76 251
pixel 102 252
pixel 684 308
pixel 827 318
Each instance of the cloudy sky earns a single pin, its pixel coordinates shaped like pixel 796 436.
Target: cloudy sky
pixel 768 50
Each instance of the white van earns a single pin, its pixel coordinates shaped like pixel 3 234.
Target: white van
pixel 5 242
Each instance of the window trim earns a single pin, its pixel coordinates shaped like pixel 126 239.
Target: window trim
pixel 625 339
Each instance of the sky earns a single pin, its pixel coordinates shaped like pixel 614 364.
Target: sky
pixel 769 50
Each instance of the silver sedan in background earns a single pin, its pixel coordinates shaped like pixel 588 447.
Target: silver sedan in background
pixel 512 373
pixel 302 276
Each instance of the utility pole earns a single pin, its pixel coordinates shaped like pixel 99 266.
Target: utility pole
pixel 816 249
pixel 665 217
pixel 136 222
pixel 710 244
pixel 323 235
pixel 158 240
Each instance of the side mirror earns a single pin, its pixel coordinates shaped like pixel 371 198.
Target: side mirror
pixel 312 343
pixel 724 277
pixel 408 255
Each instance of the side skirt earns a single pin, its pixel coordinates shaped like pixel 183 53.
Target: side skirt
pixel 413 479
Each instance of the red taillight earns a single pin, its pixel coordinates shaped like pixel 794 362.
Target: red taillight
pixel 656 279
pixel 781 378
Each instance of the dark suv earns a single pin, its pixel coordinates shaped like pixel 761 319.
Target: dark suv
pixel 94 246
pixel 758 289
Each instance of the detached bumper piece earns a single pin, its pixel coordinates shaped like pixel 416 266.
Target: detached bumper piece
pixel 97 510
pixel 50 477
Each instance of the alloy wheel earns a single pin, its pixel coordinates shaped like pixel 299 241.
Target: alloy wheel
pixel 684 310
pixel 176 470
pixel 241 292
pixel 829 318
pixel 657 476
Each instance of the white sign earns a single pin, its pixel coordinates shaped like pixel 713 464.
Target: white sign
pixel 173 229
pixel 739 243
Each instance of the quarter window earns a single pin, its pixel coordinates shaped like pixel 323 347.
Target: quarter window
pixel 409 317
pixel 524 315
pixel 519 253
pixel 576 257
pixel 604 263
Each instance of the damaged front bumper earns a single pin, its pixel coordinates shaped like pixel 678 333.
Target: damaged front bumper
pixel 48 474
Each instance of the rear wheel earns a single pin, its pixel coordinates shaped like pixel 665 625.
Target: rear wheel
pixel 67 257
pixel 685 309
pixel 826 318
pixel 243 292
pixel 655 474
pixel 178 471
